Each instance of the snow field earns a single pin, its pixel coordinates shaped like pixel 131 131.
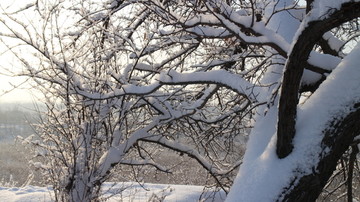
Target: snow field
pixel 114 192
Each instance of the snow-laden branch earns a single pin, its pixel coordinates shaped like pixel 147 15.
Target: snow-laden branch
pixel 219 77
pixel 240 25
pixel 116 153
pixel 312 29
pixel 335 102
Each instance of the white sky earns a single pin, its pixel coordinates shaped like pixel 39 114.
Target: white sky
pixel 7 61
pixel 23 92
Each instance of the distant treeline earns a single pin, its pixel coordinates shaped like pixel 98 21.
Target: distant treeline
pixel 15 121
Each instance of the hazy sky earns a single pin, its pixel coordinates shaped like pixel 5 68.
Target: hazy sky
pixel 7 61
pixel 23 92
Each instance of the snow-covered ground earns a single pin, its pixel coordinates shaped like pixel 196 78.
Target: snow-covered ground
pixel 133 192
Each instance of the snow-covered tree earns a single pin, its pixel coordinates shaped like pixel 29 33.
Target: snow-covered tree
pixel 90 61
pixel 195 75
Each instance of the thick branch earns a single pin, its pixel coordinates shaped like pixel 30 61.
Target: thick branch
pixel 297 60
pixel 338 137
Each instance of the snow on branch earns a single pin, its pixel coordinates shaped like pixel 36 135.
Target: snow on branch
pixel 311 30
pixel 219 77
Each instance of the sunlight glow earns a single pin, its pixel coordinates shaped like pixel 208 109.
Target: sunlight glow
pixel 12 89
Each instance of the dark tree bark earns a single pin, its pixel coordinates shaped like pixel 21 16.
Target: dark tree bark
pixel 337 138
pixel 297 61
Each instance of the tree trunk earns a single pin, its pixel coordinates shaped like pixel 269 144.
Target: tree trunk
pixel 297 60
pixel 338 137
pixel 79 189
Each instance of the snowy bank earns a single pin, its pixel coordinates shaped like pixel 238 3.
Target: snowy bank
pixel 120 192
